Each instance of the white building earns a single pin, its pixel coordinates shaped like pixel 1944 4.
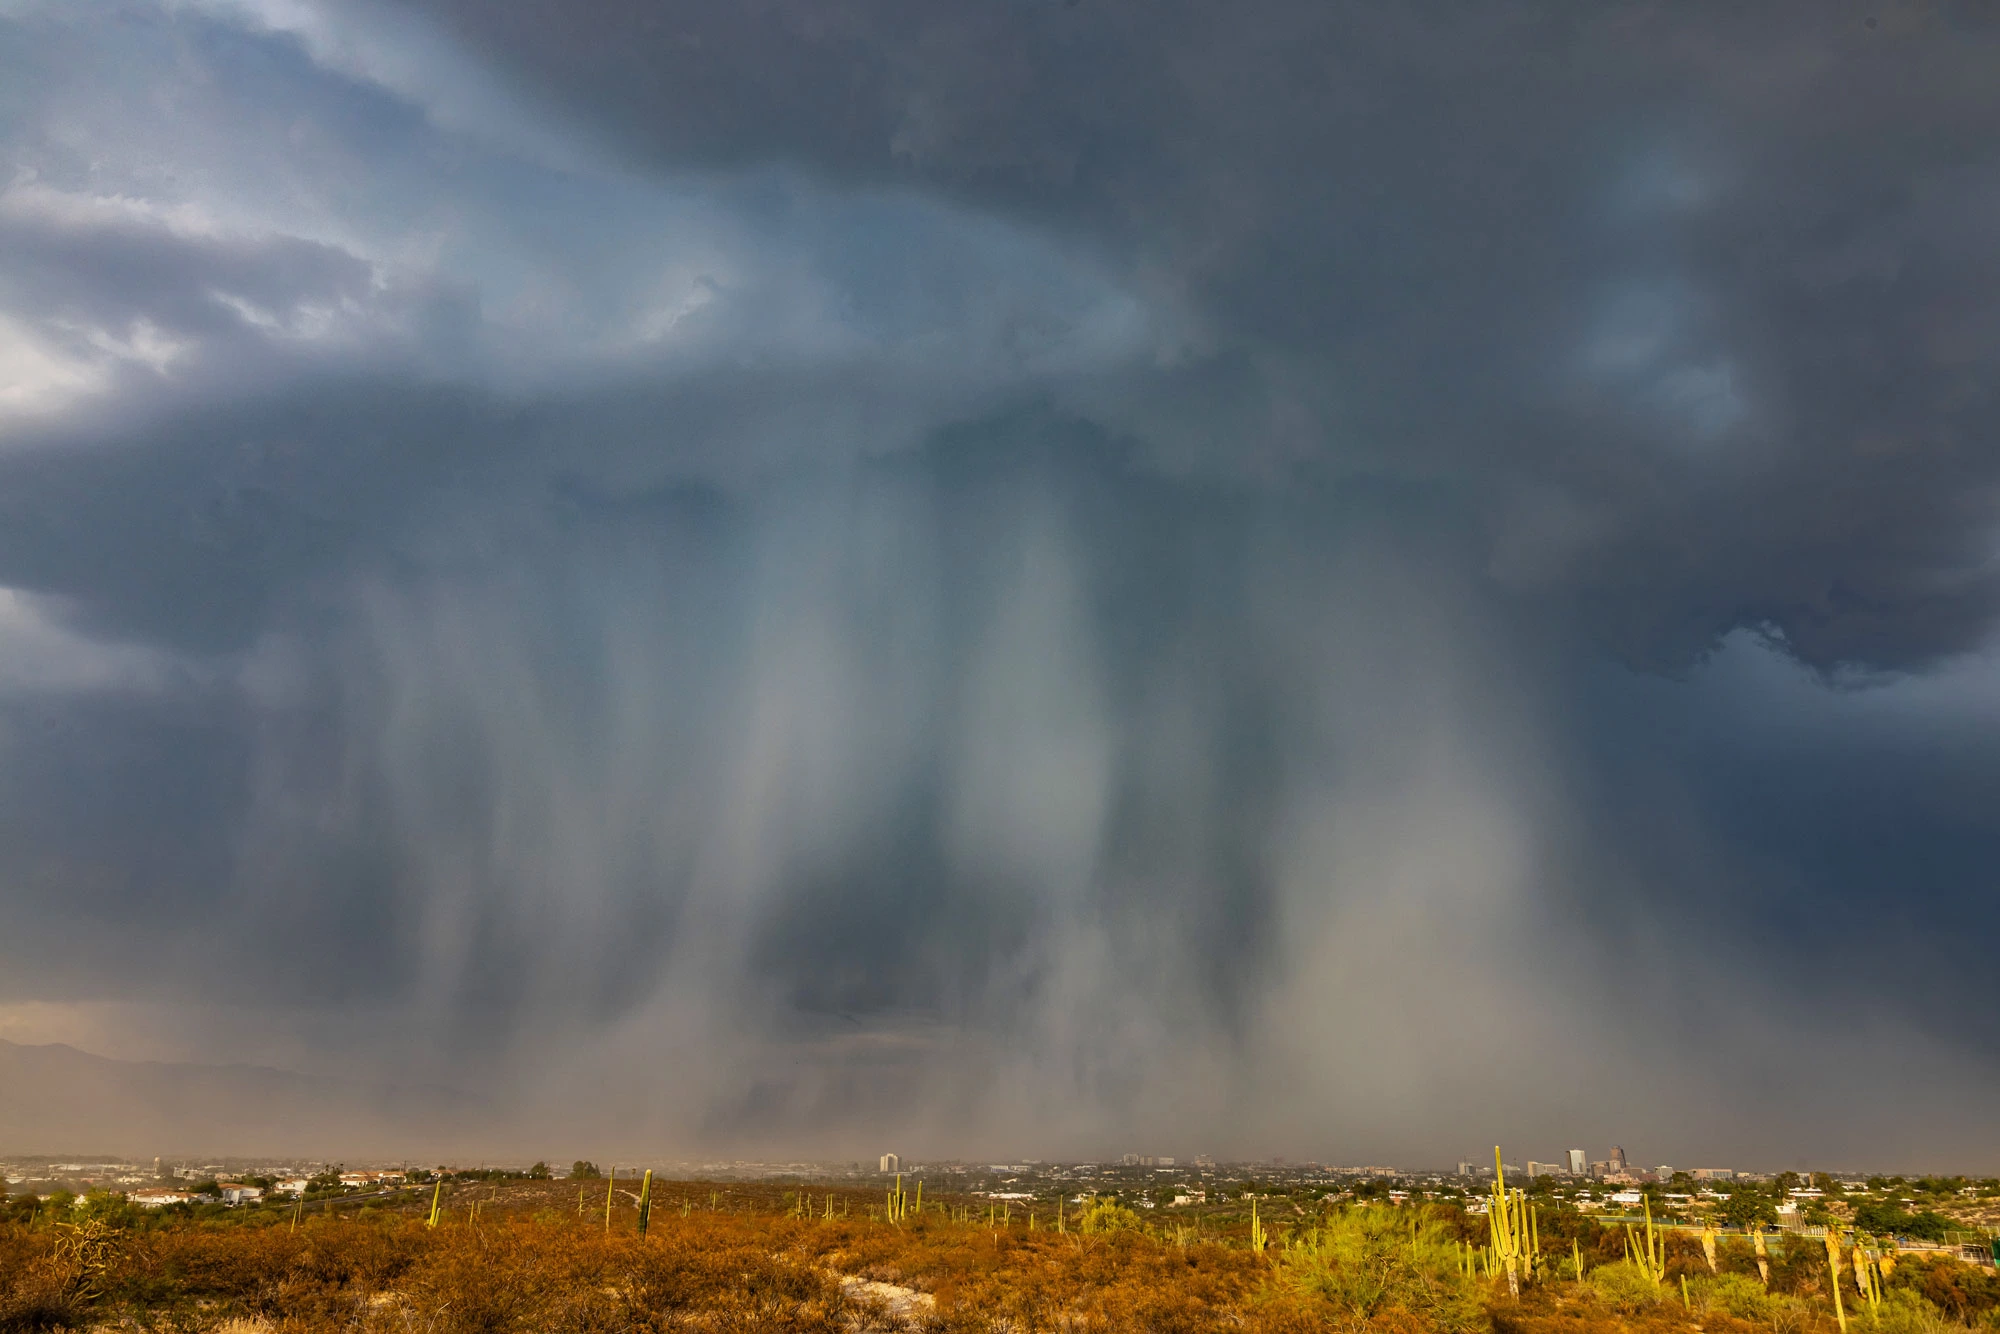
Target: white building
pixel 235 1192
pixel 158 1199
pixel 1576 1164
pixel 892 1162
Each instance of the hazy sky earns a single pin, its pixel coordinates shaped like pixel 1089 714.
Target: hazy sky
pixel 1040 577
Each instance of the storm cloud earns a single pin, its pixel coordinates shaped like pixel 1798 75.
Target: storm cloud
pixel 1021 577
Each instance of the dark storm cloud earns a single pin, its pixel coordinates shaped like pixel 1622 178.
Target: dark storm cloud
pixel 848 569
pixel 1701 295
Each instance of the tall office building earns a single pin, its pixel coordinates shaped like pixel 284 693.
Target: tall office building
pixel 1617 1158
pixel 1576 1162
pixel 892 1162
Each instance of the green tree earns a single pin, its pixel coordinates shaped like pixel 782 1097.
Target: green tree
pixel 539 1172
pixel 1107 1215
pixel 1887 1219
pixel 1368 1265
pixel 1746 1208
pixel 104 1207
pixel 584 1171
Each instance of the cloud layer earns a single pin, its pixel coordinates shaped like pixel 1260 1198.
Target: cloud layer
pixel 1017 577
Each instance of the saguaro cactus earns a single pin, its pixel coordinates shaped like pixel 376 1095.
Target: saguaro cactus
pixel 1506 1226
pixel 1833 1274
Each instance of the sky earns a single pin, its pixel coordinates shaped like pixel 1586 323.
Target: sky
pixel 1029 577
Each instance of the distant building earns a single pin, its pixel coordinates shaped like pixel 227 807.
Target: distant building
pixel 235 1192
pixel 1618 1163
pixel 1129 1160
pixel 1464 1169
pixel 1536 1169
pixel 1576 1162
pixel 1713 1174
pixel 892 1162
pixel 1627 1197
pixel 1164 1161
pixel 158 1199
pixel 1600 1169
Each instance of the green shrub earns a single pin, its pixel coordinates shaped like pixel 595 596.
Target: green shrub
pixel 1625 1287
pixel 1363 1264
pixel 1904 1312
pixel 1738 1295
pixel 1108 1216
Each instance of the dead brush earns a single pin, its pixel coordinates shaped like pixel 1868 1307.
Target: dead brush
pixel 57 1277
pixel 522 1277
pixel 759 1260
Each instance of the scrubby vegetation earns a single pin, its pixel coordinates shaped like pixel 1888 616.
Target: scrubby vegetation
pixel 533 1254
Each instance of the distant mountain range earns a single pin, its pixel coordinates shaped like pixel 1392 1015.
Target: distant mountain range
pixel 56 1099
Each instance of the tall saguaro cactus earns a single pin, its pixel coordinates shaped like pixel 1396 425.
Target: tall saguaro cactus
pixel 1648 1252
pixel 1510 1230
pixel 1833 1274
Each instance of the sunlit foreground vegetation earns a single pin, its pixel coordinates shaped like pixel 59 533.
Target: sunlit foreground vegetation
pixel 554 1258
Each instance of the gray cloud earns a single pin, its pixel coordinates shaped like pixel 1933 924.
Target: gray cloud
pixel 1711 282
pixel 1301 580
